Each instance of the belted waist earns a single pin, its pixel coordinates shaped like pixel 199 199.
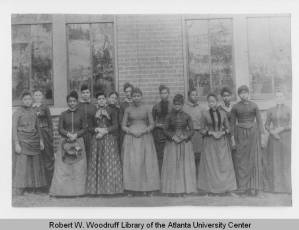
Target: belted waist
pixel 246 125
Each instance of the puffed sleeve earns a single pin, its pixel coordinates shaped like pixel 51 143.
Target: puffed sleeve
pixel 83 125
pixel 114 121
pixel 167 129
pixel 125 120
pixel 259 120
pixel 233 119
pixel 150 121
pixel 190 131
pixel 62 131
pixel 268 120
pixel 226 123
pixel 15 120
pixel 49 119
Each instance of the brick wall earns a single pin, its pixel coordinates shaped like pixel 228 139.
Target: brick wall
pixel 150 53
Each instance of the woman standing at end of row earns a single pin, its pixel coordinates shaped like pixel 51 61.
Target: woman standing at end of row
pixel 277 160
pixel 28 171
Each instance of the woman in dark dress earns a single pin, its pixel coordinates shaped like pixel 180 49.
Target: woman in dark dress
pixel 114 105
pixel 277 160
pixel 160 112
pixel 69 177
pixel 88 109
pixel 29 171
pixel 247 129
pixel 105 171
pixel 216 171
pixel 178 170
pixel 46 130
pixel 127 102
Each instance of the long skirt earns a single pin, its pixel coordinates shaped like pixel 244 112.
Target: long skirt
pixel 140 164
pixel 216 171
pixel 48 153
pixel 178 170
pixel 87 143
pixel 197 143
pixel 248 158
pixel 160 141
pixel 277 164
pixel 29 171
pixel 105 172
pixel 69 179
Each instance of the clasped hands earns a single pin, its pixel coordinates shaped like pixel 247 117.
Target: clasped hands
pixel 100 132
pixel 216 134
pixel 275 132
pixel 138 133
pixel 179 139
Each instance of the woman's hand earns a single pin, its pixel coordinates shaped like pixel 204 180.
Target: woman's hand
pixel 18 148
pixel 275 134
pixel 42 146
pixel 99 136
pixel 233 142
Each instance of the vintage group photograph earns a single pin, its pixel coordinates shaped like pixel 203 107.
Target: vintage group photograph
pixel 151 110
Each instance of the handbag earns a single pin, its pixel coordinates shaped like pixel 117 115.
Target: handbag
pixel 72 151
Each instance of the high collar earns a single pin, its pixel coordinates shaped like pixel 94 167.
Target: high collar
pixel 85 102
pixel 36 105
pixel 189 103
pixel 72 110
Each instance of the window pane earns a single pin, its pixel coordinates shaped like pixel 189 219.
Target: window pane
pixel 102 55
pixel 220 31
pixel 198 55
pixel 41 73
pixel 269 54
pixel 210 64
pixel 20 69
pixel 79 54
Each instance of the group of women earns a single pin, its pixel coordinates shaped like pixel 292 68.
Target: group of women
pixel 173 148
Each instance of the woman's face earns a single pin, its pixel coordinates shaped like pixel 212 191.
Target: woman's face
pixel 128 92
pixel 193 96
pixel 27 100
pixel 164 94
pixel 85 95
pixel 38 96
pixel 177 106
pixel 137 98
pixel 113 99
pixel 244 95
pixel 226 96
pixel 212 102
pixel 72 102
pixel 101 100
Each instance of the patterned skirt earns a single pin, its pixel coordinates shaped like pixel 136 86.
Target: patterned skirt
pixel 178 170
pixel 104 171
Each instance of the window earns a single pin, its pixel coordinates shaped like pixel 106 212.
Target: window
pixel 209 54
pixel 269 52
pixel 32 60
pixel 91 56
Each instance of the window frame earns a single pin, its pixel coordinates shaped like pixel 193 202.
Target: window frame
pixel 114 59
pixel 264 96
pixel 186 52
pixel 50 102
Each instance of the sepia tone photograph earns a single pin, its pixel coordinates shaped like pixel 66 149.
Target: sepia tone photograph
pixel 152 110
